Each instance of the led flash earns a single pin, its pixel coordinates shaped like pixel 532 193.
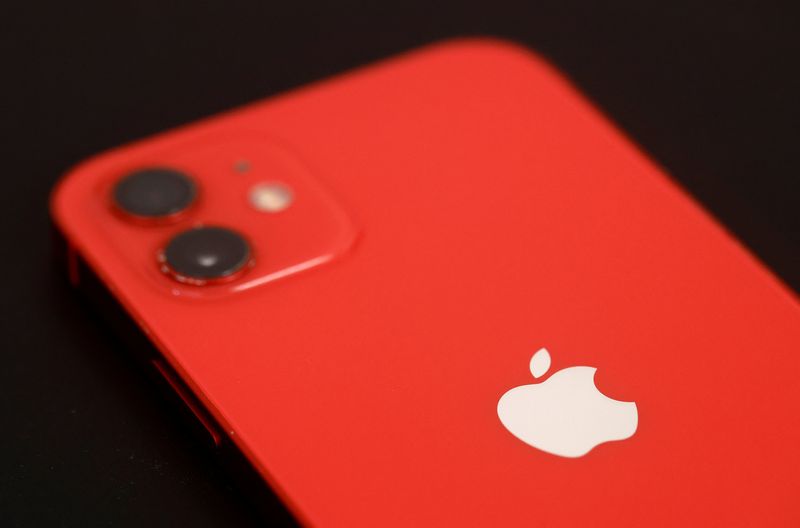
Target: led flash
pixel 271 197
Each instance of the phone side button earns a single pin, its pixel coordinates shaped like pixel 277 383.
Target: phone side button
pixel 188 400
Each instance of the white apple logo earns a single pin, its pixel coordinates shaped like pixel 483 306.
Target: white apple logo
pixel 566 414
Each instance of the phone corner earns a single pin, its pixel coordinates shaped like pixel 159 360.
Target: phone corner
pixel 493 47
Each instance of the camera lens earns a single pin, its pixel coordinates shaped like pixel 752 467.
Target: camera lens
pixel 154 193
pixel 205 254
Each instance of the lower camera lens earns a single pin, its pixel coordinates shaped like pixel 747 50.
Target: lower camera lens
pixel 154 193
pixel 205 254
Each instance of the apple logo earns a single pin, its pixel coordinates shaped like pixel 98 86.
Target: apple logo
pixel 565 415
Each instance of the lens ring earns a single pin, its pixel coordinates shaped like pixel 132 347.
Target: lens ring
pixel 206 254
pixel 154 193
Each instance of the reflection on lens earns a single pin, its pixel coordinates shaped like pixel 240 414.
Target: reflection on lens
pixel 205 254
pixel 154 193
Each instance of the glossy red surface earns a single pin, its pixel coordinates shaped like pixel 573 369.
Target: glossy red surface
pixel 457 209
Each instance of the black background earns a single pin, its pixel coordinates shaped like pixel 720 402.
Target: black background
pixel 707 88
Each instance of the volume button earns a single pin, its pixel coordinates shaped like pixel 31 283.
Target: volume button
pixel 188 400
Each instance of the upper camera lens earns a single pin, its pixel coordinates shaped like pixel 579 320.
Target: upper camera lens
pixel 206 253
pixel 154 193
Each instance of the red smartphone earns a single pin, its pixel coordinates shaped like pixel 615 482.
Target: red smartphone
pixel 444 290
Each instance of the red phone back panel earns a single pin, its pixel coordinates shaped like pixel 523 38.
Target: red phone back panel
pixel 465 206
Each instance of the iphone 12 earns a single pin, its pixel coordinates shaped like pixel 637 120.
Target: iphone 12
pixel 444 290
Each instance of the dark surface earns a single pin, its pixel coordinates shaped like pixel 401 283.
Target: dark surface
pixel 708 89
